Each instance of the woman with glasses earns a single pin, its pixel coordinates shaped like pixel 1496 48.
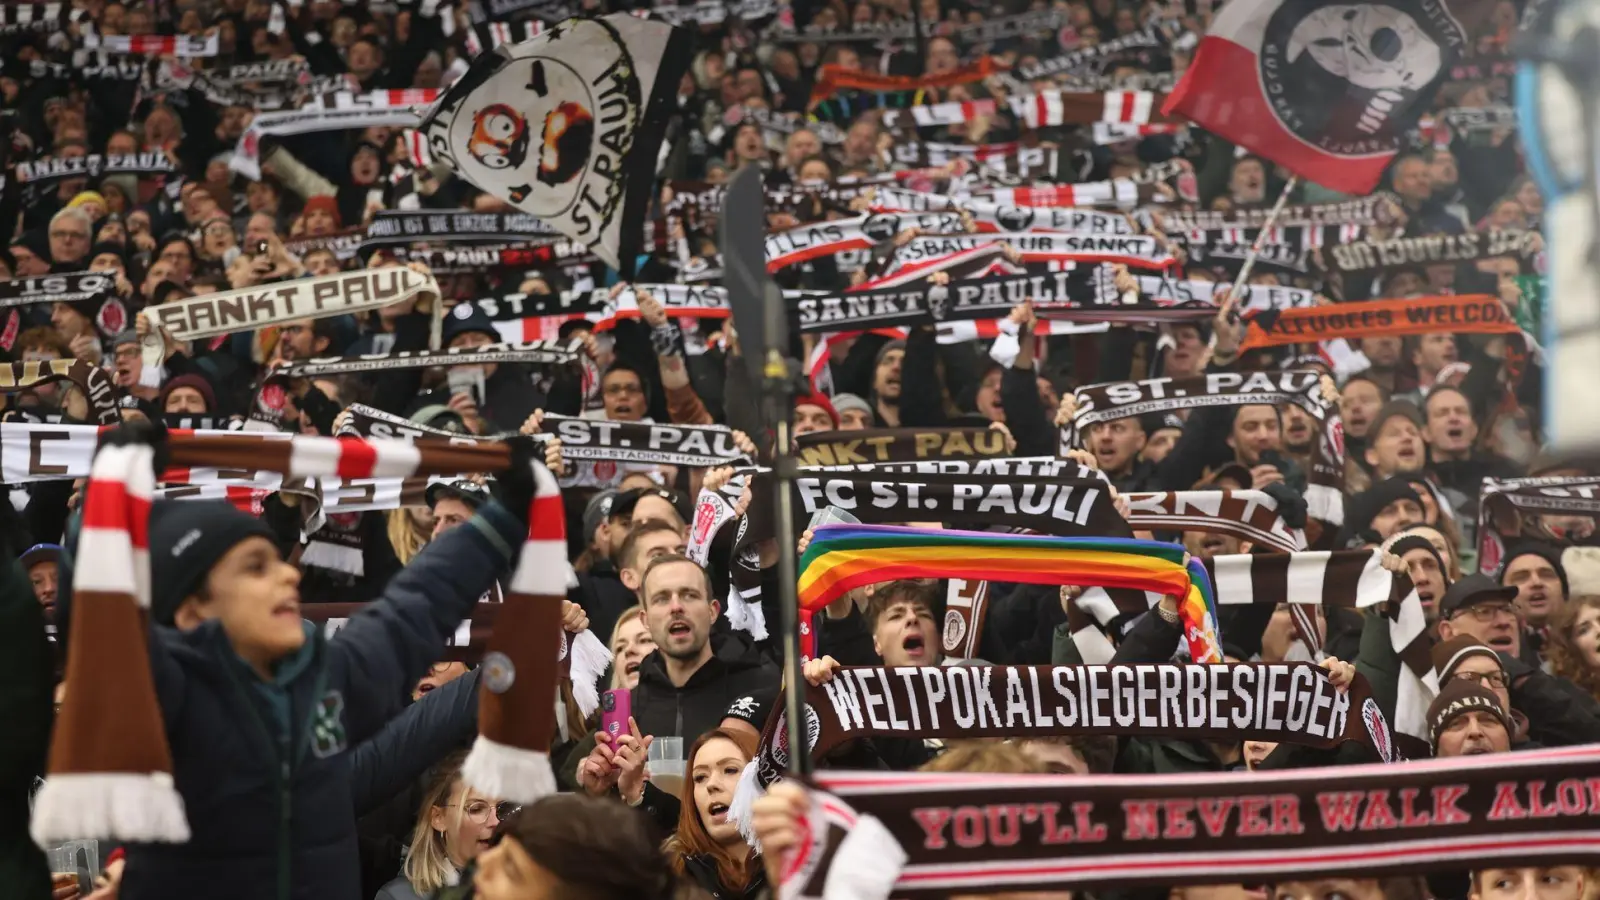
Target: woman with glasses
pixel 454 825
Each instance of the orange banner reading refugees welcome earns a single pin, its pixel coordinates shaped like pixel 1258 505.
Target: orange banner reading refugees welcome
pixel 833 78
pixel 1468 313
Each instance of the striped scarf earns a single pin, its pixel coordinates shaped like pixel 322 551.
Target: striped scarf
pixel 930 834
pixel 110 765
pixel 842 557
pixel 1347 579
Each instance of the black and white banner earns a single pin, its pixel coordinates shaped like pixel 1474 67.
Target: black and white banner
pixel 68 287
pixel 1064 506
pixel 644 442
pixel 532 353
pixel 795 246
pixel 308 298
pixel 404 226
pixel 921 302
pixel 1134 251
pixel 596 93
pixel 49 171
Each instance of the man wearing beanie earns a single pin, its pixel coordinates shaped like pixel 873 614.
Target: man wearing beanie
pixel 1466 719
pixel 1425 566
pixel 1387 507
pixel 855 414
pixel 1535 570
pixel 260 707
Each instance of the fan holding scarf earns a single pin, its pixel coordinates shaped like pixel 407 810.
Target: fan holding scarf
pixel 255 707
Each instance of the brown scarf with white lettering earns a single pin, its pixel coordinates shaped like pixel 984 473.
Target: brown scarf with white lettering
pixel 1285 702
pixel 92 380
pixel 939 834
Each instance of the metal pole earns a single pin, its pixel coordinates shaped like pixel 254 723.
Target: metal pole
pixel 1261 237
pixel 778 391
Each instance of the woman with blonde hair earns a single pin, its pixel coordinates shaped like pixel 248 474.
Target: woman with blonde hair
pixel 707 848
pixel 630 644
pixel 454 825
pixel 1574 650
pixel 409 529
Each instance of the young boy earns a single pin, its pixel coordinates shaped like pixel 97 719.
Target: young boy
pixel 259 708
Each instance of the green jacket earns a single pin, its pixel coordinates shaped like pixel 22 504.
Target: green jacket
pixel 27 708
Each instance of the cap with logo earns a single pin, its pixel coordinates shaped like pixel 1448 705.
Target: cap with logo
pixel 467 318
pixel 40 553
pixel 467 491
pixel 1472 590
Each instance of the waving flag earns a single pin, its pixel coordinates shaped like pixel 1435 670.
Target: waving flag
pixel 1325 90
pixel 565 126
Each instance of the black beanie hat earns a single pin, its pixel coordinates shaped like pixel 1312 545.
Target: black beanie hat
pixel 1542 550
pixel 187 538
pixel 1405 542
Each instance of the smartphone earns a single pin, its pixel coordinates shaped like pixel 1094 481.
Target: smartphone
pixel 615 709
pixel 466 380
pixel 262 247
pixel 1293 475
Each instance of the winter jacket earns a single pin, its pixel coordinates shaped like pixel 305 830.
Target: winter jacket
pixel 703 870
pixel 25 707
pixel 398 889
pixel 264 767
pixel 1559 713
pixel 736 668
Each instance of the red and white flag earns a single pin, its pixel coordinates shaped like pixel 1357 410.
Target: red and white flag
pixel 1325 90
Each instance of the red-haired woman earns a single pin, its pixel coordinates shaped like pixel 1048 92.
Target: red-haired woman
pixel 707 847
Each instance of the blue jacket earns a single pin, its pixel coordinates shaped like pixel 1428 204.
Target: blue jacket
pixel 264 768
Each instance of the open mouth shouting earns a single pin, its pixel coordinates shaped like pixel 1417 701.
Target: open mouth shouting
pixel 678 630
pixel 915 646
pixel 719 812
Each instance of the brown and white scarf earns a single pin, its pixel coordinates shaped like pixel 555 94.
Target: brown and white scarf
pixel 93 381
pixel 882 445
pixel 971 833
pixel 1508 507
pixel 644 442
pixel 110 765
pixel 1121 399
pixel 1285 702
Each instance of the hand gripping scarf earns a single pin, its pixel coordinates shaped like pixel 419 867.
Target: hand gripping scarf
pixel 110 765
pixel 841 558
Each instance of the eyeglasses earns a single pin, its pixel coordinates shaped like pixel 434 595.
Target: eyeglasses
pixel 1486 612
pixel 477 812
pixel 63 235
pixel 1492 679
pixel 624 389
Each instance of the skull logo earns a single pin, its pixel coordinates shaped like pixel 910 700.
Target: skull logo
pixel 1376 47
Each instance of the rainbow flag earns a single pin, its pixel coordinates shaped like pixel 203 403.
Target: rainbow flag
pixel 841 558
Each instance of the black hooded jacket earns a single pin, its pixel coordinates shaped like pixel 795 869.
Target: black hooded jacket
pixel 736 669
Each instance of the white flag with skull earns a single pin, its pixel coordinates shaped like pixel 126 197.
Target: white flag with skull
pixel 566 126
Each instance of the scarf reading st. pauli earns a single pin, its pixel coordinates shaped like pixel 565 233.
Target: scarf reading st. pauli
pixel 841 558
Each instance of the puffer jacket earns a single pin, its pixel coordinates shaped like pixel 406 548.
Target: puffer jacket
pixel 264 768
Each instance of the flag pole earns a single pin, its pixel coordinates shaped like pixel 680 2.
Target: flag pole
pixel 1261 236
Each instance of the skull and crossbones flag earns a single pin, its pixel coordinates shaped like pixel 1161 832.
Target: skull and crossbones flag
pixel 566 126
pixel 1326 90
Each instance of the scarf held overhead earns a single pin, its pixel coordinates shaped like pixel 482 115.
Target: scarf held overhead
pixel 975 833
pixel 110 767
pixel 1460 313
